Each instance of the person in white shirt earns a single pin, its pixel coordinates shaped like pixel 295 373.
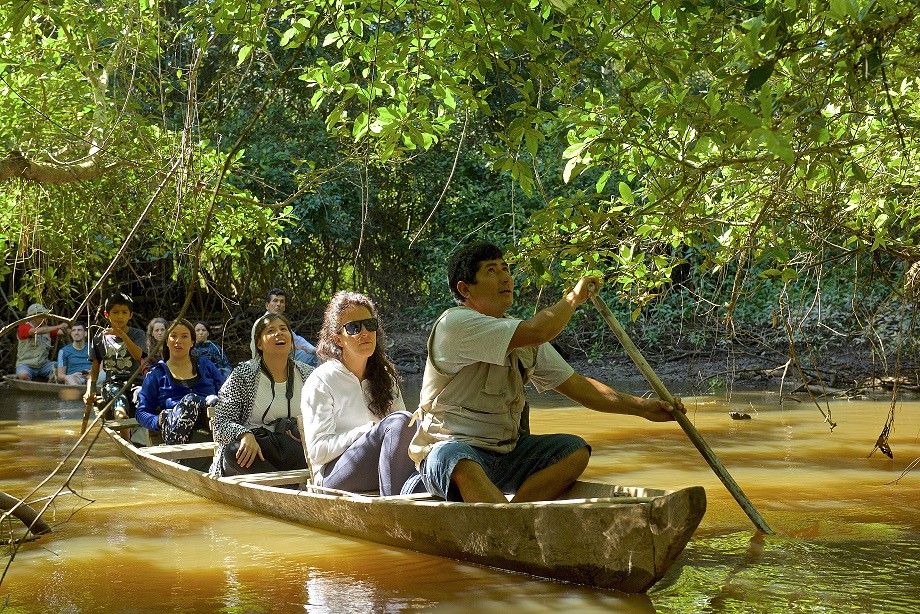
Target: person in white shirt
pixel 474 441
pixel 355 421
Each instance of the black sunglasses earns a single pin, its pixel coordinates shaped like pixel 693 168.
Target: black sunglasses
pixel 354 327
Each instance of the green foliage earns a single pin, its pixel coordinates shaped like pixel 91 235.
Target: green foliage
pixel 630 139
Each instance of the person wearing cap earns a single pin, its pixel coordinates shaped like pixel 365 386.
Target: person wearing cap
pixel 35 339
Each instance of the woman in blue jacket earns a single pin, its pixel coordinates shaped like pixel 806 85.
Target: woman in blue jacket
pixel 177 389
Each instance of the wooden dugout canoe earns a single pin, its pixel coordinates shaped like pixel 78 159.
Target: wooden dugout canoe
pixel 44 387
pixel 601 535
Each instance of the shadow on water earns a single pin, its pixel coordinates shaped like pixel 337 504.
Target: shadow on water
pixel 846 541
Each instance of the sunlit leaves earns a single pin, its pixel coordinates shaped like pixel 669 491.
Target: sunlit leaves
pixel 626 194
pixel 243 53
pixel 661 125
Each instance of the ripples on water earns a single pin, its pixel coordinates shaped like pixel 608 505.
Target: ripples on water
pixel 846 541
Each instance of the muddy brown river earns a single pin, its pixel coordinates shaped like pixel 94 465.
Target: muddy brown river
pixel 847 538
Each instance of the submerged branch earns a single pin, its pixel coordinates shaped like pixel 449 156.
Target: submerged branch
pixel 25 513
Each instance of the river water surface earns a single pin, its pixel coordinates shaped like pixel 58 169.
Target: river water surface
pixel 847 540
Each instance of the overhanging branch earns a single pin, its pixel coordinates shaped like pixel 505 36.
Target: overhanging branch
pixel 16 165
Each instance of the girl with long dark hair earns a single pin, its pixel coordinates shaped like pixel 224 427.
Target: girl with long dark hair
pixel 355 421
pixel 177 389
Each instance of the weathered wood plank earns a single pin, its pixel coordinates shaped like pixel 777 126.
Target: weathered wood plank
pixel 180 451
pixel 39 386
pixel 127 423
pixel 272 478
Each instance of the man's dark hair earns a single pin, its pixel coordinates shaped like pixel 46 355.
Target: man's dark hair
pixel 464 263
pixel 274 292
pixel 119 298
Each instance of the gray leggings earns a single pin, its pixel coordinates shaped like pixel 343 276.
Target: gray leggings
pixel 378 460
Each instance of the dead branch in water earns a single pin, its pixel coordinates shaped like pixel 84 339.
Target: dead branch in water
pixel 65 486
pixel 24 512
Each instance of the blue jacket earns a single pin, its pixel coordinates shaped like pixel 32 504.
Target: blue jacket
pixel 212 352
pixel 160 391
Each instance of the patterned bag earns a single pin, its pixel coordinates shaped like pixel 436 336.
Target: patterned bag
pixel 179 421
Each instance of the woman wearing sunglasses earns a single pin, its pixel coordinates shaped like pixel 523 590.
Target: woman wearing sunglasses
pixel 356 424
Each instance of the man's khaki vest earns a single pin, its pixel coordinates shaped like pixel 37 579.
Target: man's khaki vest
pixel 34 350
pixel 481 404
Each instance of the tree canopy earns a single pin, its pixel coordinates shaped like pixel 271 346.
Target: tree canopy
pixel 331 143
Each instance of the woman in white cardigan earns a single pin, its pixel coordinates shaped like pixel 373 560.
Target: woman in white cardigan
pixel 356 424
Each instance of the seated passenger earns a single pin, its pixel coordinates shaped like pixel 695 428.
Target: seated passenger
pixel 255 418
pixel 355 422
pixel 35 338
pixel 177 390
pixel 276 302
pixel 120 351
pixel 209 349
pixel 73 362
pixel 156 333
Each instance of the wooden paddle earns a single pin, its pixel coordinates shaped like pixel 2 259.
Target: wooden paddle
pixel 681 418
pixel 87 411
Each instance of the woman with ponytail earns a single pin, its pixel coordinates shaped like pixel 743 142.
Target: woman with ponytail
pixel 255 419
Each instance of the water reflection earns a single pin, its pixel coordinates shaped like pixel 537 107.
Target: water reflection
pixel 846 541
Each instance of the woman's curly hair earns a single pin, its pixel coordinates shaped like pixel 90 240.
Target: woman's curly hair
pixel 380 373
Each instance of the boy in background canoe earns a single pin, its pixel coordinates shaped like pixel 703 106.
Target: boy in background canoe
pixel 35 338
pixel 73 363
pixel 120 351
pixel 474 441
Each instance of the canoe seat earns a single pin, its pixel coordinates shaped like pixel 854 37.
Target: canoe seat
pixel 183 450
pixel 416 496
pixel 117 425
pixel 271 478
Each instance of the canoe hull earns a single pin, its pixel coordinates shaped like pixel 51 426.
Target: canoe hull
pixel 587 539
pixel 63 390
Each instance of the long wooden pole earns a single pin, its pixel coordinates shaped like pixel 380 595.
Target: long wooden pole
pixel 681 418
pixel 87 410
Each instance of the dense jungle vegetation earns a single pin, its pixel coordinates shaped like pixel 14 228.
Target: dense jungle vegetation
pixel 740 173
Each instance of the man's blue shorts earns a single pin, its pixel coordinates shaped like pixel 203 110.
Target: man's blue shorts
pixel 507 471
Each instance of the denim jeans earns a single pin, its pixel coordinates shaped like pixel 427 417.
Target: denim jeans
pixel 42 373
pixel 507 471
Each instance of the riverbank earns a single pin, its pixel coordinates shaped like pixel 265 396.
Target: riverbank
pixel 836 366
pixel 838 370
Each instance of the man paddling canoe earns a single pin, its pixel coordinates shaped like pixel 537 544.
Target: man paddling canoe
pixel 474 441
